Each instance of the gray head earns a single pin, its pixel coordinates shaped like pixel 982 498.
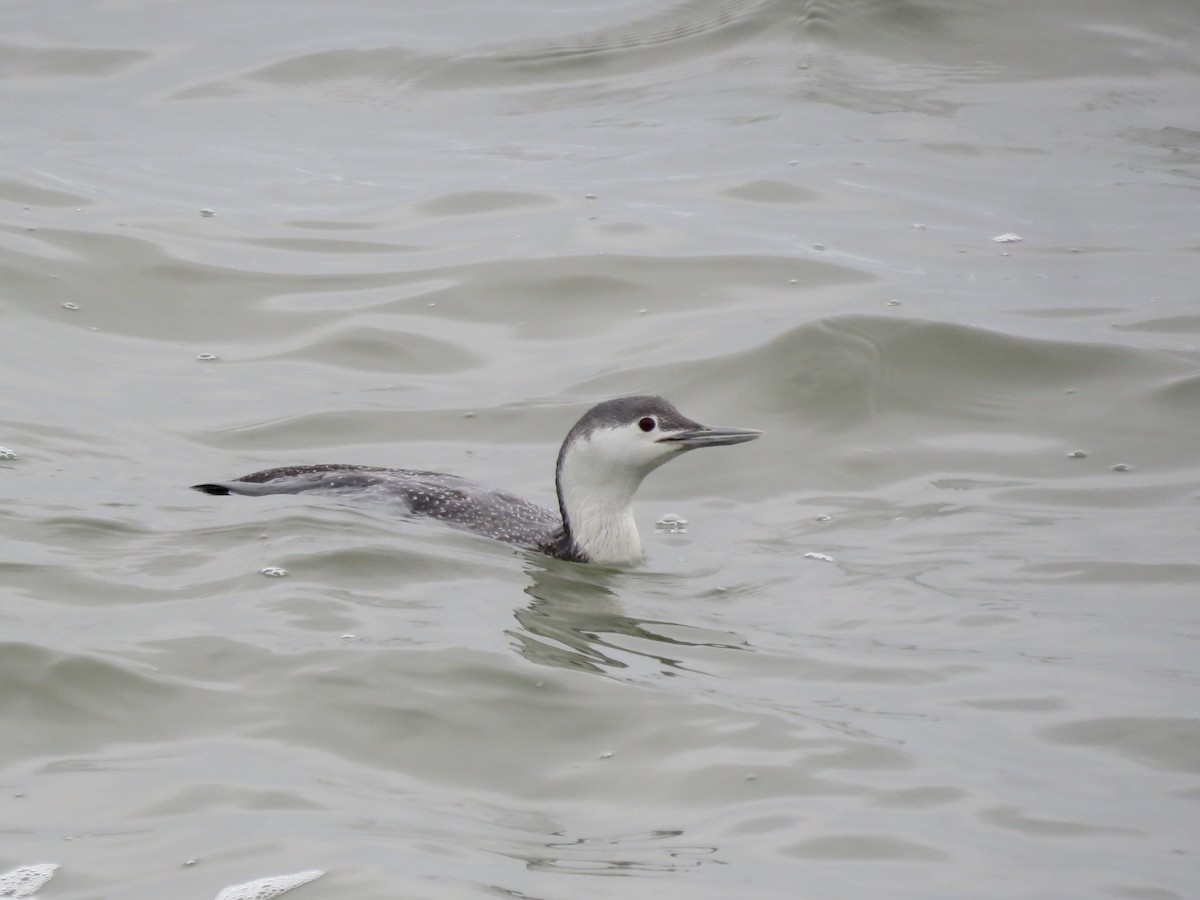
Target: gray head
pixel 603 460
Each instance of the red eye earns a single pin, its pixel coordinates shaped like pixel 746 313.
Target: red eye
pixel 647 424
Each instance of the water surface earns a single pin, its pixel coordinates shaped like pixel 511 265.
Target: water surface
pixel 933 636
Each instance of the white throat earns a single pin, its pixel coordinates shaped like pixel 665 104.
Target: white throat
pixel 597 491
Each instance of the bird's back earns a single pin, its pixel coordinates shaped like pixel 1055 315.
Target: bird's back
pixel 456 501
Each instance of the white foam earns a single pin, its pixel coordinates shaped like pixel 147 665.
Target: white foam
pixel 25 880
pixel 266 888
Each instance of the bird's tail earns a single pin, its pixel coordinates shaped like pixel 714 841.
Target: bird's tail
pixel 219 489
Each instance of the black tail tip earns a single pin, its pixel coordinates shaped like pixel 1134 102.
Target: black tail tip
pixel 216 489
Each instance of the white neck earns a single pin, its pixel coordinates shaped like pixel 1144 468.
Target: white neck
pixel 597 502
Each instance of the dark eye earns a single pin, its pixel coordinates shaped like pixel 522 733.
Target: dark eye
pixel 647 424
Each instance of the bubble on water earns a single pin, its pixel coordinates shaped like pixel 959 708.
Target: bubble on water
pixel 266 888
pixel 1007 238
pixel 1122 467
pixel 272 571
pixel 1077 454
pixel 24 881
pixel 207 357
pixel 822 557
pixel 207 213
pixel 672 524
pixel 71 306
pixel 5 453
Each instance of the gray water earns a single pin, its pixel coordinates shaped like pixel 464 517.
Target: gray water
pixel 934 636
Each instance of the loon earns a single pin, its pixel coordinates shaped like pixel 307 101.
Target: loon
pixel 601 463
